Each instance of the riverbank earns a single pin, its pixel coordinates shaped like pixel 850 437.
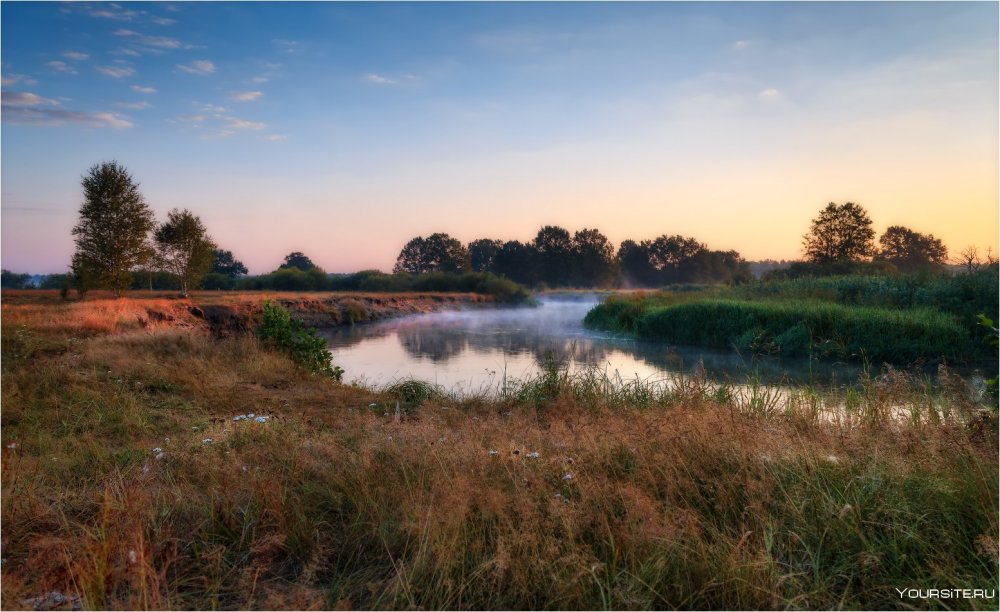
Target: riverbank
pixel 222 312
pixel 902 321
pixel 129 482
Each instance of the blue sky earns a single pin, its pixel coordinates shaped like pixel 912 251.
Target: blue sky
pixel 342 130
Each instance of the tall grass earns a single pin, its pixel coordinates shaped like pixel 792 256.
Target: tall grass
pixel 896 320
pixel 643 494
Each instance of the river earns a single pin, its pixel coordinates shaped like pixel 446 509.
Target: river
pixel 474 350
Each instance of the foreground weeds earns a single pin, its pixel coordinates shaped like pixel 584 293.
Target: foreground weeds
pixel 127 483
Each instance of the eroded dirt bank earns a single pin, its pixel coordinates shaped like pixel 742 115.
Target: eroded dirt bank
pixel 226 313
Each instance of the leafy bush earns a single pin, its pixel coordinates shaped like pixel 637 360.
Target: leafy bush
pixel 279 330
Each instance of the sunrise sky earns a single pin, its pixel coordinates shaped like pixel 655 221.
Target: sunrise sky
pixel 343 130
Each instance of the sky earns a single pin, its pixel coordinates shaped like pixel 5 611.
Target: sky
pixel 344 130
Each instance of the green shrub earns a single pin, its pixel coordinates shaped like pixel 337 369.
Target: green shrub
pixel 280 331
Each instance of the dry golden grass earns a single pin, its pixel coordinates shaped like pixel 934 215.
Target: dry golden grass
pixel 334 503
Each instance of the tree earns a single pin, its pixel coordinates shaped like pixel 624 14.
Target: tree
pixel 969 259
pixel 482 253
pixel 13 280
pixel 224 263
pixel 594 258
pixel 184 248
pixel 911 251
pixel 668 254
pixel 112 234
pixel 515 261
pixel 554 252
pixel 437 253
pixel 297 260
pixel 633 261
pixel 840 234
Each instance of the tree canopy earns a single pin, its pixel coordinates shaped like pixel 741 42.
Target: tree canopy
pixel 911 251
pixel 437 253
pixel 223 262
pixel 112 233
pixel 840 234
pixel 184 248
pixel 299 261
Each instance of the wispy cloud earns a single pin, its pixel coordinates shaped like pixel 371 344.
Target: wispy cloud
pixel 257 80
pixel 117 12
pixel 109 10
pixel 133 105
pixel 127 51
pixel 212 108
pixel 740 45
pixel 246 96
pixel 769 94
pixel 76 56
pixel 273 137
pixel 192 118
pixel 24 98
pixel 288 46
pixel 378 79
pixel 200 67
pixel 25 108
pixel 60 66
pixel 242 124
pixel 155 42
pixel 142 89
pixel 14 79
pixel 116 72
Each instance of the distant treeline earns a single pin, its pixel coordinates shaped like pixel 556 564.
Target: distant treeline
pixel 586 258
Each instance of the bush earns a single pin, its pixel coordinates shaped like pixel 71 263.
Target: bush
pixel 280 331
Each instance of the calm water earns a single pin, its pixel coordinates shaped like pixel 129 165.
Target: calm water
pixel 473 350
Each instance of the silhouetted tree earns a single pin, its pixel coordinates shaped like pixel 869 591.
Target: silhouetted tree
pixel 553 254
pixel 515 261
pixel 634 265
pixel 668 254
pixel 840 234
pixel 113 231
pixel 297 260
pixel 911 251
pixel 224 263
pixel 717 267
pixel 437 253
pixel 482 252
pixel 593 255
pixel 12 280
pixel 184 248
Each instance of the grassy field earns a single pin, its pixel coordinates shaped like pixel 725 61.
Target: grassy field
pixel 127 483
pixel 897 320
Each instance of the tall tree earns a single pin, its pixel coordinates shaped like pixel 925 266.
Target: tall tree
pixel 633 262
pixel 840 234
pixel 515 260
pixel 223 262
pixel 184 248
pixel 671 256
pixel 594 258
pixel 482 253
pixel 911 251
pixel 438 252
pixel 554 253
pixel 112 234
pixel 297 260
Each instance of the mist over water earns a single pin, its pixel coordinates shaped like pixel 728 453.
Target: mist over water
pixel 474 350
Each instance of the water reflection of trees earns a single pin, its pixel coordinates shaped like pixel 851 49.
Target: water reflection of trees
pixel 557 338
